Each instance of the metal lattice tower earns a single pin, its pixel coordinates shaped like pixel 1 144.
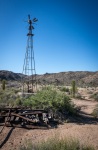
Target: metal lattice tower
pixel 29 81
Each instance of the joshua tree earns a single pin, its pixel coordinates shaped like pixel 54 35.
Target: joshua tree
pixel 3 84
pixel 73 88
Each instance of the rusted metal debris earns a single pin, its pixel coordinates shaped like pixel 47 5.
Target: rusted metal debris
pixel 23 117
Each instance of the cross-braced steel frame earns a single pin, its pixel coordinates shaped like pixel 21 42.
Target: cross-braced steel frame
pixel 29 80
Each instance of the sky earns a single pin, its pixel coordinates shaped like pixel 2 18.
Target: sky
pixel 65 36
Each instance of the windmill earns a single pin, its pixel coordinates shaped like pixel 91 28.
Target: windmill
pixel 29 80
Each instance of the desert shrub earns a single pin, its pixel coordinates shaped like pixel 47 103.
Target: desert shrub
pixel 4 96
pixel 64 89
pixel 8 97
pixel 95 112
pixel 78 96
pixel 18 102
pixel 16 91
pixel 45 99
pixel 67 90
pixel 47 87
pixel 94 96
pixel 56 144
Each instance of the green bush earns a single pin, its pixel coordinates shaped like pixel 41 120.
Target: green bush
pixel 45 99
pixel 8 97
pixel 56 144
pixel 18 102
pixel 64 89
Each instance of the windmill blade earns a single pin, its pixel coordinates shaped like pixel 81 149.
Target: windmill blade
pixel 29 17
pixel 34 20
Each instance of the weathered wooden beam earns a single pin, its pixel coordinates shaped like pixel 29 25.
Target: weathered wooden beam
pixel 23 114
pixel 26 126
pixel 27 119
pixel 31 113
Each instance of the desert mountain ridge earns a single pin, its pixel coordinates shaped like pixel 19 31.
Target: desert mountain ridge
pixel 62 78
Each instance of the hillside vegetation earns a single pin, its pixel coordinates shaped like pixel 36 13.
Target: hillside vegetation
pixel 82 78
pixel 51 99
pixel 47 98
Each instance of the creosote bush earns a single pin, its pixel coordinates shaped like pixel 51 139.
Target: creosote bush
pixel 49 98
pixel 64 89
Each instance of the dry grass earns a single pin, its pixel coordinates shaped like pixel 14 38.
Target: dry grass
pixel 56 144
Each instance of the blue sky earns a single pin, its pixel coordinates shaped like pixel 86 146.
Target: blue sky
pixel 66 35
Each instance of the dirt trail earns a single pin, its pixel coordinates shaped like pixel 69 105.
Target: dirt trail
pixel 86 106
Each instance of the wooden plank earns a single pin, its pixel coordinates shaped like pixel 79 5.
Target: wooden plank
pixel 23 114
pixel 27 119
pixel 31 113
pixel 26 126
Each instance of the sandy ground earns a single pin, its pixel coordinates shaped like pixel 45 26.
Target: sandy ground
pixel 86 106
pixel 86 133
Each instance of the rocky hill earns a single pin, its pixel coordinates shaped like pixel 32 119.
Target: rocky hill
pixel 82 78
pixel 9 75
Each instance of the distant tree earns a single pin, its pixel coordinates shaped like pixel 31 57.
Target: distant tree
pixel 3 84
pixel 73 84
